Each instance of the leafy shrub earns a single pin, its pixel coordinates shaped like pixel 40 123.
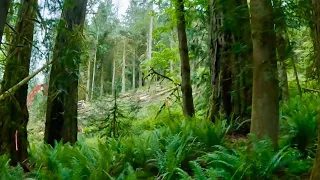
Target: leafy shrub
pixel 7 172
pixel 299 122
pixel 178 148
pixel 256 161
pixel 206 133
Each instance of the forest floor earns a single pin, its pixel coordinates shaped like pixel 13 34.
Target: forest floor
pixel 141 98
pixel 155 144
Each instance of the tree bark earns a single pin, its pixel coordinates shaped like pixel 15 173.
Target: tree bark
pixel 8 33
pixel 123 87
pixel 214 63
pixel 171 46
pixel 221 58
pixel 315 30
pixel 315 175
pixel 62 104
pixel 114 76
pixel 188 106
pixel 13 110
pixel 284 80
pixel 149 43
pixel 102 78
pixel 94 64
pixel 88 93
pixel 150 38
pixel 242 36
pixel 134 71
pixel 4 8
pixel 294 60
pixel 140 75
pixel 229 21
pixel 265 101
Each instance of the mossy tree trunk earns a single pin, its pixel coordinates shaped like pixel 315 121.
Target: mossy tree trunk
pixel 188 106
pixel 88 92
pixel 13 110
pixel 61 116
pixel 4 8
pixel 265 101
pixel 215 63
pixel 227 31
pixel 243 59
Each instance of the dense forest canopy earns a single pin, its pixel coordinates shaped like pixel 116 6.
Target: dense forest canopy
pixel 159 89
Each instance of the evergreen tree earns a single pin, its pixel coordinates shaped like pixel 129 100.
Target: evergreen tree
pixel 14 115
pixel 61 117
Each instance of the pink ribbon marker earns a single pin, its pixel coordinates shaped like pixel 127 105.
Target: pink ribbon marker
pixel 16 140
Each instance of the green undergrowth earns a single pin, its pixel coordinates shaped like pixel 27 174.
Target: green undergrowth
pixel 167 146
pixel 164 153
pixel 298 123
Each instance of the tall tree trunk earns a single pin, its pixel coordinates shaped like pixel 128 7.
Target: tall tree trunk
pixel 214 62
pixel 315 175
pixel 188 107
pixel 114 76
pixel 140 75
pixel 61 117
pixel 226 83
pixel 8 32
pixel 171 46
pixel 221 58
pixel 123 90
pixel 284 80
pixel 134 70
pixel 4 8
pixel 242 36
pixel 149 42
pixel 282 48
pixel 88 93
pixel 316 11
pixel 150 38
pixel 294 60
pixel 265 101
pixel 94 64
pixel 102 78
pixel 13 110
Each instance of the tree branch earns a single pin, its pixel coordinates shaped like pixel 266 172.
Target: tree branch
pixel 152 71
pixel 311 90
pixel 22 82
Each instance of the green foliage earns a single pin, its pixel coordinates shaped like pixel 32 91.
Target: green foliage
pixel 171 149
pixel 299 121
pixel 162 57
pixel 205 132
pixel 7 172
pixel 258 160
pixel 67 162
pixel 177 150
